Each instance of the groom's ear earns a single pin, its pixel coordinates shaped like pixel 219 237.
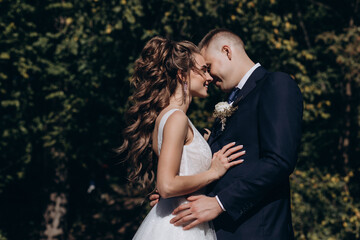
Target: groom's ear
pixel 227 50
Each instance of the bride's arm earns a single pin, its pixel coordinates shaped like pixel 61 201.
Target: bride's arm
pixel 169 183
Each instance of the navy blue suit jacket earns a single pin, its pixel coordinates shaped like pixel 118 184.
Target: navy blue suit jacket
pixel 256 193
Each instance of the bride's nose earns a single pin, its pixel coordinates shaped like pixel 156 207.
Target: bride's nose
pixel 208 77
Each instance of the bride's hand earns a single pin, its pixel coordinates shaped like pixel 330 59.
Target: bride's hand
pixel 224 159
pixel 207 133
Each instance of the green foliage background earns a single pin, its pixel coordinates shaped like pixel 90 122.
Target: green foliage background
pixel 64 85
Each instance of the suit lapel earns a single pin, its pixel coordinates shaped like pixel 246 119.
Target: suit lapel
pixel 250 85
pixel 214 131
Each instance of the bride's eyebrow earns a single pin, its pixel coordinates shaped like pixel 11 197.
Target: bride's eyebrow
pixel 207 67
pixel 203 67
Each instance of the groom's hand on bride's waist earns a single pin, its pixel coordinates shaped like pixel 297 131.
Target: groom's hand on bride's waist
pixel 199 209
pixel 154 199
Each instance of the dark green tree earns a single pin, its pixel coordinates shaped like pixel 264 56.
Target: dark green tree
pixel 64 86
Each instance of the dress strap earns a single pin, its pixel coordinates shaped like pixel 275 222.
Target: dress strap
pixel 162 124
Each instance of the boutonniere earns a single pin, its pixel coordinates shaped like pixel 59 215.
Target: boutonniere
pixel 222 111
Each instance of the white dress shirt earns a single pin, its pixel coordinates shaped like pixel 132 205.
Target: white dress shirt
pixel 247 75
pixel 240 86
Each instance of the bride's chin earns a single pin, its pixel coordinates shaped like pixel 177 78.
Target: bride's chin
pixel 200 94
pixel 204 95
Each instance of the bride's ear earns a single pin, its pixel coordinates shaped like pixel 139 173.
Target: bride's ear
pixel 180 76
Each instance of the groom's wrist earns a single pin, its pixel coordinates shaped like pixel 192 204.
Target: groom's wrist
pixel 220 204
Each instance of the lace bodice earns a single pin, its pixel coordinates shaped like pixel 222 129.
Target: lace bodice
pixel 196 156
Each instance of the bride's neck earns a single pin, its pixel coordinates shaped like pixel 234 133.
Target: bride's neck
pixel 179 101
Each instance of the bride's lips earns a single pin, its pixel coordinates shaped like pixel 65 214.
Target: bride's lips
pixel 206 84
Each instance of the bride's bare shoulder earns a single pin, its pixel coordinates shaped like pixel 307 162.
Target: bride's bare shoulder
pixel 176 124
pixel 177 119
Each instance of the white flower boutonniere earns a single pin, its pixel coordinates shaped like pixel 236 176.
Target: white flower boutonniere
pixel 222 111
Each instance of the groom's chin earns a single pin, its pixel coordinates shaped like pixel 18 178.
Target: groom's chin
pixel 223 89
pixel 219 84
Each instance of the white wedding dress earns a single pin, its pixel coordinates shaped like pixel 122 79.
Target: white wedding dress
pixel 196 158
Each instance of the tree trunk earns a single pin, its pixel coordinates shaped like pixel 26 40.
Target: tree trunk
pixel 54 217
pixel 55 213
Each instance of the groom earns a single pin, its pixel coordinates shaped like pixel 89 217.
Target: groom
pixel 252 200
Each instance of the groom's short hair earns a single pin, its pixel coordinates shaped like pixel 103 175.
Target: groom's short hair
pixel 219 33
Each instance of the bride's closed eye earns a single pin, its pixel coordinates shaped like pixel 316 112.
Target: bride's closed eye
pixel 208 68
pixel 202 70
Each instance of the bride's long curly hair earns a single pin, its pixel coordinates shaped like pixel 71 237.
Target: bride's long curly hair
pixel 158 71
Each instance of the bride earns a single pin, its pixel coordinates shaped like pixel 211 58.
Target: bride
pixel 167 75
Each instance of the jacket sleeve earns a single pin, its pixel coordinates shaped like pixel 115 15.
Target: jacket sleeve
pixel 279 124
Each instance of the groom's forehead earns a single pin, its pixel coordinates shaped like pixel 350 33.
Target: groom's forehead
pixel 199 59
pixel 206 53
pixel 209 56
pixel 203 51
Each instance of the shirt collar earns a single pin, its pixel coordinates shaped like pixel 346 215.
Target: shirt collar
pixel 247 75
